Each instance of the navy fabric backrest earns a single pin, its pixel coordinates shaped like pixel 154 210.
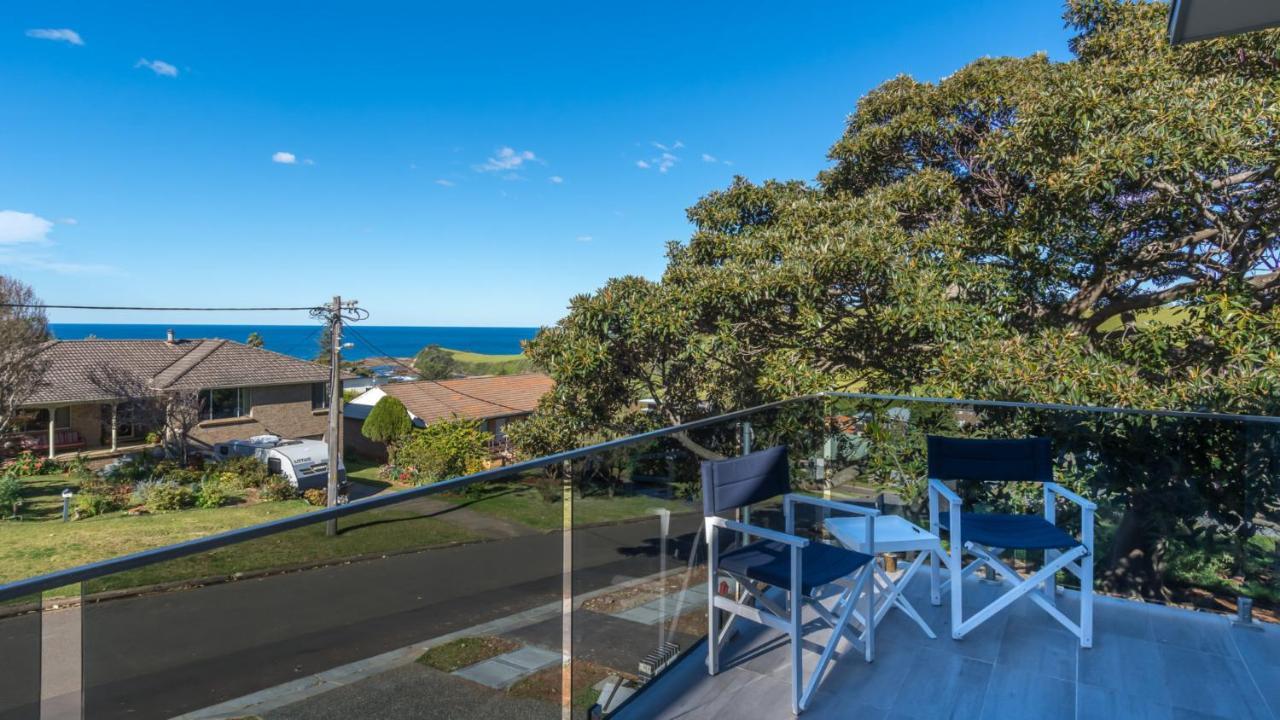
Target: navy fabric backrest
pixel 990 459
pixel 733 483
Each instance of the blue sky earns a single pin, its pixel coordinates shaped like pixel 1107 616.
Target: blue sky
pixel 466 164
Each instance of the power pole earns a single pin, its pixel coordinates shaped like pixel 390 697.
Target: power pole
pixel 335 407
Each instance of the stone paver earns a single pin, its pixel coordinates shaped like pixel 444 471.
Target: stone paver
pixel 507 669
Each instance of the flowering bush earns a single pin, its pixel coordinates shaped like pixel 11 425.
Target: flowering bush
pixel 316 496
pixel 398 473
pixel 27 463
pixel 277 488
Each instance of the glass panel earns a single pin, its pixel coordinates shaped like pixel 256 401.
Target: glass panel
pixel 223 403
pixel 418 599
pixel 20 650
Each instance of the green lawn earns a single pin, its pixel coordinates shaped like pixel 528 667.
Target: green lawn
pixel 42 495
pixel 478 364
pixel 520 503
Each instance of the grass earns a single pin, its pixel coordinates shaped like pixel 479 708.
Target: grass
pixel 42 495
pixel 545 685
pixel 520 503
pixel 477 364
pixel 465 652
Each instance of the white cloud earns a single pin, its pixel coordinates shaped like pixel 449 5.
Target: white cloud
pixel 158 67
pixel 65 35
pixel 555 179
pixel 666 160
pixel 36 262
pixel 284 158
pixel 68 221
pixel 706 157
pixel 507 159
pixel 21 227
pixel 585 238
pixel 445 183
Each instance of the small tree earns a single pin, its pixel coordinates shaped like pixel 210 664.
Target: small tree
pixel 24 329
pixel 387 423
pixel 435 363
pixel 254 340
pixel 445 449
pixel 175 411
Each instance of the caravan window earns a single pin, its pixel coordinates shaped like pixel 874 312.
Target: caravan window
pixel 273 466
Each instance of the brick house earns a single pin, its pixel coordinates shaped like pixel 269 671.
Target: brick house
pixel 243 391
pixel 494 400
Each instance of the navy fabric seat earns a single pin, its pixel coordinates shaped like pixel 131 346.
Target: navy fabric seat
pixel 770 562
pixel 1013 532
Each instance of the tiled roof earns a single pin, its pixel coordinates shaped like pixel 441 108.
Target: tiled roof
pixel 185 365
pixel 474 397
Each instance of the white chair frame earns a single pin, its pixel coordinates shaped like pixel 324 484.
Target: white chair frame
pixel 1078 561
pixel 752 604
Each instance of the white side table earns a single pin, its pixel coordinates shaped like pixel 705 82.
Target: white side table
pixel 894 534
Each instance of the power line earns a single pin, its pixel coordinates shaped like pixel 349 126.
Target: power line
pixel 41 306
pixel 401 365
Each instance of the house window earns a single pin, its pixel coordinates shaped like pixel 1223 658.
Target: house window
pixel 319 396
pixel 225 403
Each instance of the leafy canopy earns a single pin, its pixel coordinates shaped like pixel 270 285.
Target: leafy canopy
pixel 435 363
pixel 1005 232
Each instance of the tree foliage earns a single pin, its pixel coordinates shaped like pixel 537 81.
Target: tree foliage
pixel 387 422
pixel 435 363
pixel 998 233
pixel 254 340
pixel 1099 231
pixel 24 329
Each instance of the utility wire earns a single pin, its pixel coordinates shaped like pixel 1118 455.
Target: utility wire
pixel 154 309
pixel 401 365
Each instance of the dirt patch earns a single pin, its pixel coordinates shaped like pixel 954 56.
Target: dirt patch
pixel 545 685
pixel 465 652
pixel 615 602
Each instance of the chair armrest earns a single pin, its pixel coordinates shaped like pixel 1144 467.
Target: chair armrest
pixel 1057 489
pixel 759 532
pixel 790 498
pixel 946 492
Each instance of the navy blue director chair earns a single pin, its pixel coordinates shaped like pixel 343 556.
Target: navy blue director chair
pixel 986 535
pixel 807 571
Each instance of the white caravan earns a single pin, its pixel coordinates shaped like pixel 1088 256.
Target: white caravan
pixel 304 462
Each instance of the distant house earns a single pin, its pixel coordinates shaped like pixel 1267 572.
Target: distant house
pixel 243 391
pixel 494 400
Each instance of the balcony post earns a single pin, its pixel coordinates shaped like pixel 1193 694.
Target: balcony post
pixel 115 426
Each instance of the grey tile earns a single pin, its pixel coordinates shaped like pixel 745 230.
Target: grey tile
pixel 1050 651
pixel 530 658
pixel 1210 684
pixel 943 685
pixel 492 673
pixel 1120 619
pixel 1016 694
pixel 875 684
pixel 1194 631
pixel 1096 703
pixel 1126 665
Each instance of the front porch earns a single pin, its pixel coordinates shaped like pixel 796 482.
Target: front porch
pixel 93 430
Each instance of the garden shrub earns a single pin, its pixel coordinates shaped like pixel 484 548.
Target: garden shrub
pixel 276 488
pixel 10 495
pixel 248 472
pixel 161 495
pixel 212 493
pixel 183 476
pixel 444 449
pixel 316 496
pixel 89 504
pixel 118 493
pixel 26 464
pixel 78 467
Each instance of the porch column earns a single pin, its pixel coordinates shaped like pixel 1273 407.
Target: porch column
pixel 52 412
pixel 115 426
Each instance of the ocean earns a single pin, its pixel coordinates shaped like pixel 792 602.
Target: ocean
pixel 303 340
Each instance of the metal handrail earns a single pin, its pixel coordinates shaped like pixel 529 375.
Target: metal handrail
pixel 70 576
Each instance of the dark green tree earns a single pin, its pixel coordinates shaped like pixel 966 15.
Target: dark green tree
pixel 1097 231
pixel 388 422
pixel 254 340
pixel 435 363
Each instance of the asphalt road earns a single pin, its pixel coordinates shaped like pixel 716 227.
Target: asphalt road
pixel 155 656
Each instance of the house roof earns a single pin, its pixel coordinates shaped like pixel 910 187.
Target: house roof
pixel 478 398
pixel 182 365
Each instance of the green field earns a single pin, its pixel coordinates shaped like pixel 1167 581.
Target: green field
pixel 477 364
